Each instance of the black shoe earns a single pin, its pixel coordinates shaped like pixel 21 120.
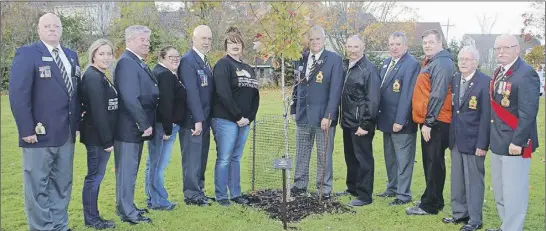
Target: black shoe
pixel 198 202
pixel 386 194
pixel 107 221
pixel 139 219
pixel 165 208
pixel 398 202
pixel 224 202
pixel 359 202
pixel 345 193
pixel 142 211
pixel 469 227
pixel 499 229
pixel 298 192
pixel 240 200
pixel 102 225
pixel 415 210
pixel 451 220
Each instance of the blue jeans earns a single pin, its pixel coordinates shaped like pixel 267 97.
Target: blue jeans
pixel 230 142
pixel 159 155
pixel 97 159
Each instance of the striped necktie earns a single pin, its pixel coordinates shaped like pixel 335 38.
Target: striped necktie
pixel 391 66
pixel 498 78
pixel 207 64
pixel 60 64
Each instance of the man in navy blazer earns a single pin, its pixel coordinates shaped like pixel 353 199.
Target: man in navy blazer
pixel 468 140
pixel 43 93
pixel 194 137
pixel 515 100
pixel 138 100
pixel 398 76
pixel 315 103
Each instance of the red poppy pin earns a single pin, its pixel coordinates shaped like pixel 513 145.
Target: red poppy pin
pixel 258 36
pixel 509 72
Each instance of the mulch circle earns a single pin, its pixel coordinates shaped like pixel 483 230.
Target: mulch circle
pixel 302 206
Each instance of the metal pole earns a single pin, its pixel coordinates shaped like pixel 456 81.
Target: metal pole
pixel 284 207
pixel 254 156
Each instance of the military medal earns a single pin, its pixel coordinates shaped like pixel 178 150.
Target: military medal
pixel 42 73
pixel 40 129
pixel 505 102
pixel 473 103
pixel 319 77
pixel 396 86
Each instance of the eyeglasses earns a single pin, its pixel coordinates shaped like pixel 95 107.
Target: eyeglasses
pixel 173 57
pixel 465 59
pixel 497 49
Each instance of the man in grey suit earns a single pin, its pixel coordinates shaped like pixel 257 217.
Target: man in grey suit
pixel 398 76
pixel 44 101
pixel 315 103
pixel 139 96
pixel 514 96
pixel 468 140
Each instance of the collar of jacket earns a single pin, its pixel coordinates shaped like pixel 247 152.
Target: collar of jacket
pixel 346 61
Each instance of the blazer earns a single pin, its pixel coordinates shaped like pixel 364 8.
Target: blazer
pixel 172 98
pixel 138 98
pixel 320 96
pixel 200 89
pixel 396 94
pixel 99 100
pixel 524 101
pixel 38 94
pixel 470 122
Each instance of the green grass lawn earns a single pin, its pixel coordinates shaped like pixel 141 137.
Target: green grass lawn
pixel 378 216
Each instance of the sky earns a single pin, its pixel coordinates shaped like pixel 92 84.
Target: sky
pixel 463 16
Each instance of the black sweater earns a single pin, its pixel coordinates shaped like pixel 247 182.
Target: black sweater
pixel 99 100
pixel 172 99
pixel 236 90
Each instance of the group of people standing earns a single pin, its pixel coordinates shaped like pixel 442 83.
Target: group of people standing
pixel 463 110
pixel 53 102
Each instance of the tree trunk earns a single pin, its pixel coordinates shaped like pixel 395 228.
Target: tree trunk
pixel 285 125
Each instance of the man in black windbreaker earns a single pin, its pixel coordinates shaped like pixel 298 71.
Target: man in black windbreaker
pixel 359 105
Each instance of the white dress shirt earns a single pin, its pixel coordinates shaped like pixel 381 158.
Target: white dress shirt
pixel 64 59
pixel 310 62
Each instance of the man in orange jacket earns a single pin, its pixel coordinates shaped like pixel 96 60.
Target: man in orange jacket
pixel 431 109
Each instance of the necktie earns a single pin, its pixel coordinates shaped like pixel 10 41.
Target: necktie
pixel 60 64
pixel 391 66
pixel 462 89
pixel 500 76
pixel 313 64
pixel 207 64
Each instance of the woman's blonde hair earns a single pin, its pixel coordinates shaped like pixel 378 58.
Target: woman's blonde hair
pixel 93 48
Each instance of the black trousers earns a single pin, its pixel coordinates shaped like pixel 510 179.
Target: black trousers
pixel 360 163
pixel 433 152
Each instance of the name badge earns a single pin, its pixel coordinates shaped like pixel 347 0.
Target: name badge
pixel 47 59
pixel 113 104
pixel 45 71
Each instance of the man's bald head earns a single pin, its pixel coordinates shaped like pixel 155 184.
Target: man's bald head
pixel 50 29
pixel 202 38
pixel 506 48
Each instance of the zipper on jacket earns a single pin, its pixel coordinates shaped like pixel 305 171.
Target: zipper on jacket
pixel 342 90
pixel 357 113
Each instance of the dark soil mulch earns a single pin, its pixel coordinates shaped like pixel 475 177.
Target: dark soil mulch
pixel 302 206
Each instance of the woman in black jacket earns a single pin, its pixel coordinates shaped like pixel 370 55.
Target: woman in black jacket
pixel 170 113
pixel 236 100
pixel 99 100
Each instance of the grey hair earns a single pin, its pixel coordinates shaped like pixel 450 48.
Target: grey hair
pixel 399 34
pixel 319 29
pixel 132 31
pixel 93 48
pixel 357 37
pixel 472 51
